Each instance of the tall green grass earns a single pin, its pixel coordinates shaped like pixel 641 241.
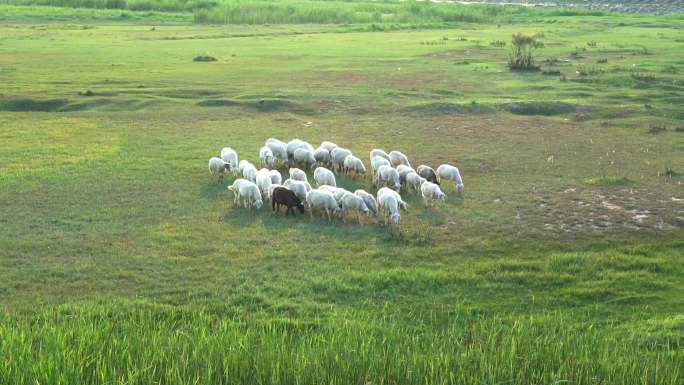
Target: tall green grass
pixel 328 12
pixel 134 343
pixel 315 11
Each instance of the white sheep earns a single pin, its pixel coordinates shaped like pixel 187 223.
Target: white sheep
pixel 378 152
pixel 337 192
pixel 266 157
pixel 298 187
pixel 451 173
pixel 386 191
pixel 387 176
pixel 234 189
pixel 279 150
pixel 353 202
pixel 378 161
pixel 276 178
pixel 231 157
pixel 398 158
pixel 241 166
pixel 218 168
pixel 298 174
pixel 248 192
pixel 323 176
pixel 296 144
pixel 431 191
pixel 338 155
pixel 329 146
pixel 323 157
pixel 414 181
pixel 403 170
pixel 354 164
pixel 263 181
pixel 322 200
pixel 369 200
pixel 388 206
pixel 304 157
pixel 249 171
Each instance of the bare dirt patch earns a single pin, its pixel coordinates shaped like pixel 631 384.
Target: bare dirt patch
pixel 577 209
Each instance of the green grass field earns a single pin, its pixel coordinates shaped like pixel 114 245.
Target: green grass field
pixel 123 262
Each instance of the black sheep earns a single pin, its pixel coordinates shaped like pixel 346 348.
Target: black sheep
pixel 285 196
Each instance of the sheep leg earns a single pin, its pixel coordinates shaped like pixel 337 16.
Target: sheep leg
pixel 358 217
pixel 327 211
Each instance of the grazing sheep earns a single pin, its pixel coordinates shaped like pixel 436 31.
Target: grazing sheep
pixel 248 191
pixel 263 181
pixel 414 181
pixel 305 158
pixel 218 168
pixel 387 205
pixel 337 192
pixel 234 187
pixel 378 161
pixel 279 150
pixel 403 170
pixel 378 152
pixel 431 191
pixel 329 146
pixel 248 171
pixel 296 144
pixel 241 166
pixel 323 176
pixel 369 200
pixel 451 173
pixel 354 203
pixel 386 191
pixel 352 163
pixel 323 157
pixel 338 155
pixel 398 158
pixel 322 200
pixel 428 173
pixel 298 187
pixel 276 178
pixel 298 174
pixel 266 157
pixel 285 196
pixel 387 176
pixel 230 156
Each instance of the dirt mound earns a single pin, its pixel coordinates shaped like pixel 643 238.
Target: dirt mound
pixel 29 104
pixel 540 108
pixel 446 109
pixel 264 105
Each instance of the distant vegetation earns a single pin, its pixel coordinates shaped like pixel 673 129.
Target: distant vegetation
pixel 324 12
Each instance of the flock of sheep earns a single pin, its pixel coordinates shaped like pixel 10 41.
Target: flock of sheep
pixel 390 171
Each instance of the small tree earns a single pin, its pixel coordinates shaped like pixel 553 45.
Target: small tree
pixel 521 57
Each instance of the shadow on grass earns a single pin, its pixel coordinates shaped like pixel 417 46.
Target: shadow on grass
pixel 212 189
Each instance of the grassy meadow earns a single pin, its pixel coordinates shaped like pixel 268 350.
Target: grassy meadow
pixel 123 262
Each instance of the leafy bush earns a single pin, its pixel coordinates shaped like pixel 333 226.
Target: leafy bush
pixel 204 58
pixel 521 57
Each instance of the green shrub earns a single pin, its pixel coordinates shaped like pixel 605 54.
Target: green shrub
pixel 521 57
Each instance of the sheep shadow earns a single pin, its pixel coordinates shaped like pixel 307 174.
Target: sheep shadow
pixel 212 190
